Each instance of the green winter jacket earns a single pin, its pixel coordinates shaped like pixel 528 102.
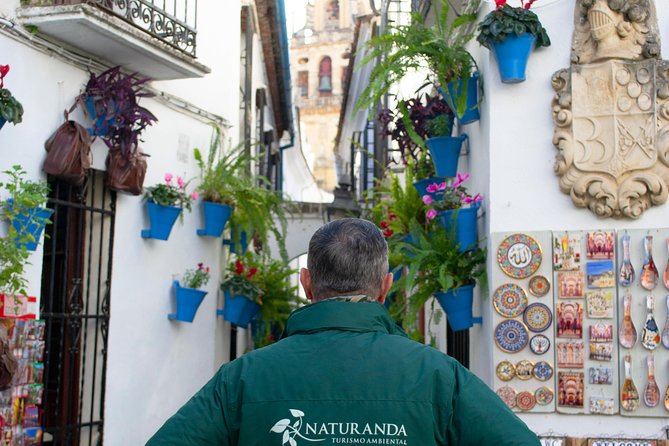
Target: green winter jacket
pixel 344 374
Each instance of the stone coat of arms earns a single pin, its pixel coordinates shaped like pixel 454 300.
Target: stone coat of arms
pixel 611 110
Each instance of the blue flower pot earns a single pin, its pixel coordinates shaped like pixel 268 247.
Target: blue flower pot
pixel 421 187
pixel 188 301
pixel 471 112
pixel 445 153
pixel 30 222
pixel 457 305
pixel 161 220
pixel 100 123
pixel 242 244
pixel 462 223
pixel 512 55
pixel 238 310
pixel 216 215
pixel 2 122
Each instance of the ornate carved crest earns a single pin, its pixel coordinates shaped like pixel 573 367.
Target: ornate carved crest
pixel 611 110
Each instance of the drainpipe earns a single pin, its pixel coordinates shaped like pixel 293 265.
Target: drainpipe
pixel 287 92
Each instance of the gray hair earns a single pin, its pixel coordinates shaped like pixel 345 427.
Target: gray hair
pixel 347 256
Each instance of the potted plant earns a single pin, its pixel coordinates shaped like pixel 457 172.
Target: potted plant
pixel 440 48
pixel 188 295
pixel 242 295
pixel 512 32
pixel 11 110
pixel 165 202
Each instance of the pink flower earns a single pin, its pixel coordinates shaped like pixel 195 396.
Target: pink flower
pixel 168 178
pixel 200 265
pixel 430 214
pixel 194 195
pixel 500 3
pixel 460 179
pixel 427 199
pixel 435 187
pixel 180 182
pixel 476 199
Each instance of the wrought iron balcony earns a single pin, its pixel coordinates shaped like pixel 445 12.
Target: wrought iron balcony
pixel 320 102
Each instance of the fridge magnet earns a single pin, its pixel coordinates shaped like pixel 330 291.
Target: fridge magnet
pixel 509 300
pixel 601 405
pixel 601 351
pixel 600 375
pixel 543 396
pixel 601 332
pixel 650 335
pixel 627 334
pixel 508 395
pixel 570 389
pixel 524 369
pixel 599 304
pixel 570 355
pixel 539 286
pixel 566 253
pixel 542 371
pixel 665 330
pixel 570 284
pixel 539 344
pixel 600 274
pixel 537 317
pixel 569 320
pixel 525 400
pixel 519 256
pixel 629 395
pixel 649 273
pixel 626 275
pixel 600 245
pixel 511 336
pixel 651 393
pixel 505 371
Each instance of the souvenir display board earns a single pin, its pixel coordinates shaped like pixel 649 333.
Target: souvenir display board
pixel 522 321
pixel 643 281
pixel 585 322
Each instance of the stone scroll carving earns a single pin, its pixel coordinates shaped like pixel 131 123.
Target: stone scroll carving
pixel 611 110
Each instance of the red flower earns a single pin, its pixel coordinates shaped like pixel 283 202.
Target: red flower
pixel 383 224
pixel 207 270
pixel 392 216
pixel 387 232
pixel 500 3
pixel 252 271
pixel 200 265
pixel 4 69
pixel 239 267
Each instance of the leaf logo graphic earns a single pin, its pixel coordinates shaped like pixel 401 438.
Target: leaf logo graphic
pixel 290 431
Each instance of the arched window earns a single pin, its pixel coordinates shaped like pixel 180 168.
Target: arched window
pixel 325 77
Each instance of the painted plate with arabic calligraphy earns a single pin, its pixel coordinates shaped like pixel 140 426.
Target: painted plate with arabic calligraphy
pixel 538 317
pixel 539 286
pixel 509 300
pixel 525 400
pixel 542 371
pixel 519 256
pixel 543 396
pixel 508 395
pixel 511 336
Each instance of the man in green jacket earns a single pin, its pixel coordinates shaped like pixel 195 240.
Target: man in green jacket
pixel 344 373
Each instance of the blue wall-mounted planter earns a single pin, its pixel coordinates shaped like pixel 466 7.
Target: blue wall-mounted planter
pixel 445 153
pixel 238 310
pixel 457 305
pixel 31 222
pixel 512 55
pixel 243 244
pixel 100 123
pixel 462 222
pixel 216 215
pixel 161 220
pixel 471 112
pixel 188 301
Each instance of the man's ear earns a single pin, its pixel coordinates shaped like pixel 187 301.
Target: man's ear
pixel 385 287
pixel 305 280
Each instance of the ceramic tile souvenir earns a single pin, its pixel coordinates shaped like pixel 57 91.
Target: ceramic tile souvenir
pixel 626 275
pixel 651 393
pixel 524 369
pixel 525 401
pixel 601 332
pixel 511 336
pixel 543 396
pixel 599 304
pixel 505 371
pixel 649 274
pixel 539 344
pixel 569 320
pixel 600 245
pixel 570 355
pixel 537 317
pixel 509 300
pixel 570 284
pixel 600 375
pixel 508 395
pixel 542 371
pixel 600 274
pixel 570 389
pixel 665 276
pixel 601 351
pixel 539 286
pixel 629 396
pixel 601 405
pixel 566 253
pixel 665 330
pixel 650 335
pixel 519 256
pixel 627 332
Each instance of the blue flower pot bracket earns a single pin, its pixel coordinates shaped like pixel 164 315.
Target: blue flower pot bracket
pixel 216 216
pixel 188 301
pixel 161 220
pixel 457 304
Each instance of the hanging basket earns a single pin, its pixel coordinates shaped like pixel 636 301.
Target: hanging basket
pixel 454 91
pixel 238 310
pixel 512 55
pixel 445 153
pixel 188 301
pixel 462 223
pixel 457 305
pixel 30 222
pixel 216 215
pixel 161 220
pixel 421 187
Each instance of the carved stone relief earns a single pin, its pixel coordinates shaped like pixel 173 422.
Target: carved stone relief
pixel 611 110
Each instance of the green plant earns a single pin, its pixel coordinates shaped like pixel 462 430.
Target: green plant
pixel 441 125
pixel 506 20
pixel 408 48
pixel 197 277
pixel 239 280
pixel 11 110
pixel 169 194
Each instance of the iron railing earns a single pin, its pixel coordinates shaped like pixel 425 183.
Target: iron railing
pixel 334 100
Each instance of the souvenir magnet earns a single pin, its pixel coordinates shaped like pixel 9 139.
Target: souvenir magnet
pixel 505 371
pixel 600 245
pixel 508 395
pixel 629 396
pixel 601 375
pixel 566 253
pixel 601 351
pixel 537 317
pixel 509 300
pixel 570 355
pixel 665 331
pixel 525 401
pixel 601 332
pixel 543 396
pixel 569 320
pixel 599 304
pixel 570 389
pixel 539 286
pixel 651 394
pixel 601 405
pixel 626 276
pixel 539 344
pixel 650 335
pixel 542 371
pixel 665 276
pixel 519 256
pixel 627 332
pixel 570 284
pixel 600 274
pixel 649 274
pixel 511 336
pixel 524 369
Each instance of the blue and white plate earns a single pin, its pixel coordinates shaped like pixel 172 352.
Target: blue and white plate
pixel 511 336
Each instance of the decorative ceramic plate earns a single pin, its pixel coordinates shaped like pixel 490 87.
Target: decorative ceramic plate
pixel 505 371
pixel 525 400
pixel 539 286
pixel 519 256
pixel 509 300
pixel 508 395
pixel 538 317
pixel 539 344
pixel 542 371
pixel 543 396
pixel 524 369
pixel 511 336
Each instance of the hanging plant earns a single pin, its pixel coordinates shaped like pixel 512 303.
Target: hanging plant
pixel 11 110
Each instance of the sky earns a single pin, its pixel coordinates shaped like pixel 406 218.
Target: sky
pixel 295 14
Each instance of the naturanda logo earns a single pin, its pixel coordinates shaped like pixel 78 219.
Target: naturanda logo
pixel 340 432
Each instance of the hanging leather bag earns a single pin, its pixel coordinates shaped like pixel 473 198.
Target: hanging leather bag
pixel 68 153
pixel 126 174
